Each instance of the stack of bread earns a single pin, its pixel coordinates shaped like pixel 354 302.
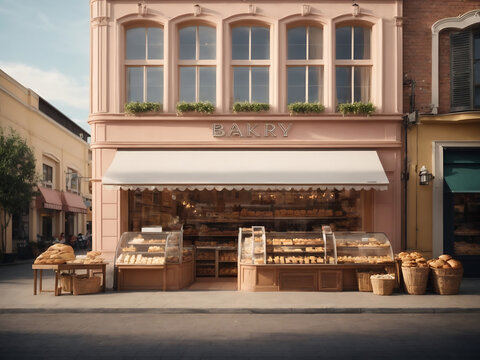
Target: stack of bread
pixel 92 257
pixel 445 262
pixel 55 255
pixel 412 259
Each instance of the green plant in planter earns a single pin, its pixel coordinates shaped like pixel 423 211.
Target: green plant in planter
pixel 203 107
pixel 135 107
pixel 357 108
pixel 250 107
pixel 305 108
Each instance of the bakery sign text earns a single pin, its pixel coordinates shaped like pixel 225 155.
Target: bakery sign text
pixel 251 130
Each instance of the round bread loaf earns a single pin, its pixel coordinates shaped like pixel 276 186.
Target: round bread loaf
pixel 445 257
pixel 455 264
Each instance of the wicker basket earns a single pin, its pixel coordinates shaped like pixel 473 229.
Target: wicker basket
pixel 363 280
pixel 415 279
pixel 86 285
pixel 66 282
pixel 447 281
pixel 383 286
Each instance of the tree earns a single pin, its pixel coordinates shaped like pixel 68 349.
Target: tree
pixel 18 179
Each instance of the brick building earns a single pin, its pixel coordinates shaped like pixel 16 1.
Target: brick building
pixel 441 61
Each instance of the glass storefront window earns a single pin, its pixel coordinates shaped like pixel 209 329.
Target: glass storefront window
pixel 221 213
pixel 466 224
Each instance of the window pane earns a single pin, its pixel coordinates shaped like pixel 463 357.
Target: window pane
pixel 260 84
pixel 476 97
pixel 136 44
pixel 297 43
pixel 207 80
pixel 344 84
pixel 240 43
pixel 296 84
pixel 315 45
pixel 155 84
pixel 240 84
pixel 343 42
pixel 361 43
pixel 315 84
pixel 187 43
pixel 207 39
pixel 361 84
pixel 135 84
pixel 476 70
pixel 155 43
pixel 187 84
pixel 476 46
pixel 260 43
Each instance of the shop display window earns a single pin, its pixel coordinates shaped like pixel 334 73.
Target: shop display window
pixel 466 224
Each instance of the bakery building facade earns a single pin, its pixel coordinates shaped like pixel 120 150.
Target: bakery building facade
pixel 443 210
pixel 213 172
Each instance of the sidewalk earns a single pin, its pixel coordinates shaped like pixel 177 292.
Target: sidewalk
pixel 16 289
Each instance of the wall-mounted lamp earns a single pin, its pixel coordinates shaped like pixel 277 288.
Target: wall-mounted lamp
pixel 425 176
pixel 197 10
pixel 355 8
pixel 305 10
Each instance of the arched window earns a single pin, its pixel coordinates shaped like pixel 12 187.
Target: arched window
pixel 305 64
pixel 251 63
pixel 197 60
pixel 353 63
pixel 144 64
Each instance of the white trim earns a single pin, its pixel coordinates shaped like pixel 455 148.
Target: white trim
pixel 460 22
pixel 437 201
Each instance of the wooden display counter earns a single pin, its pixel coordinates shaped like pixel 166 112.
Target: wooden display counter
pixel 313 277
pixel 154 277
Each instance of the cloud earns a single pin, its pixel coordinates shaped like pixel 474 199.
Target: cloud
pixel 53 86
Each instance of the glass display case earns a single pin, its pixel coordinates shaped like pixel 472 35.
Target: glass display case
pixel 149 248
pixel 252 245
pixel 297 248
pixel 362 248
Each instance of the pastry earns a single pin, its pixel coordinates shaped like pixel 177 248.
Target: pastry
pixel 445 257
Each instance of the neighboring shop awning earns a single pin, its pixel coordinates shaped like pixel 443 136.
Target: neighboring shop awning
pixel 245 169
pixel 73 203
pixel 49 199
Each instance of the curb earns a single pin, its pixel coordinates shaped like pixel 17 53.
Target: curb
pixel 252 311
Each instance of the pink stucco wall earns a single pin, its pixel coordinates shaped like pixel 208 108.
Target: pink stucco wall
pixel 112 130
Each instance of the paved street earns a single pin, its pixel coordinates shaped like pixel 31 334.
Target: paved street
pixel 183 336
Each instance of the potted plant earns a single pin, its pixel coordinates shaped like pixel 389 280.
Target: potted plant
pixel 250 107
pixel 356 108
pixel 202 107
pixel 305 108
pixel 136 107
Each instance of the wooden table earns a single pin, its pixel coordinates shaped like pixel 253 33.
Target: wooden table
pixel 64 267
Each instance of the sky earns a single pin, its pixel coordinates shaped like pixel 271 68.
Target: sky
pixel 44 45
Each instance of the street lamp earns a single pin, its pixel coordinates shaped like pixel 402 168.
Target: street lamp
pixel 425 176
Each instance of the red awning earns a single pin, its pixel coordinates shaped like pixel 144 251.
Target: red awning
pixel 49 199
pixel 73 203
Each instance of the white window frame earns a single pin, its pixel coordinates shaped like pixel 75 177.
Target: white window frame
pixel 68 183
pixel 354 63
pixel 320 63
pixel 144 63
pixel 48 183
pixel 252 63
pixel 197 63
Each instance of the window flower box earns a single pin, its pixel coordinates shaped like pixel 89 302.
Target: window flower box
pixel 305 108
pixel 135 108
pixel 250 107
pixel 202 107
pixel 356 108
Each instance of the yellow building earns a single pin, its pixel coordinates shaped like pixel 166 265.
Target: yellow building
pixel 63 162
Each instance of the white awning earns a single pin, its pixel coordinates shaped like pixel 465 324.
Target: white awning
pixel 245 169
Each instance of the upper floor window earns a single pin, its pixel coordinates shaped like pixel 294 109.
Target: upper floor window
pixel 72 181
pixel 353 68
pixel 465 70
pixel 305 64
pixel 251 63
pixel 144 64
pixel 197 71
pixel 47 178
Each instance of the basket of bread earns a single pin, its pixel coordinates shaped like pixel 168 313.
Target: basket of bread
pixel 446 274
pixel 55 255
pixel 363 280
pixel 415 272
pixel 382 284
